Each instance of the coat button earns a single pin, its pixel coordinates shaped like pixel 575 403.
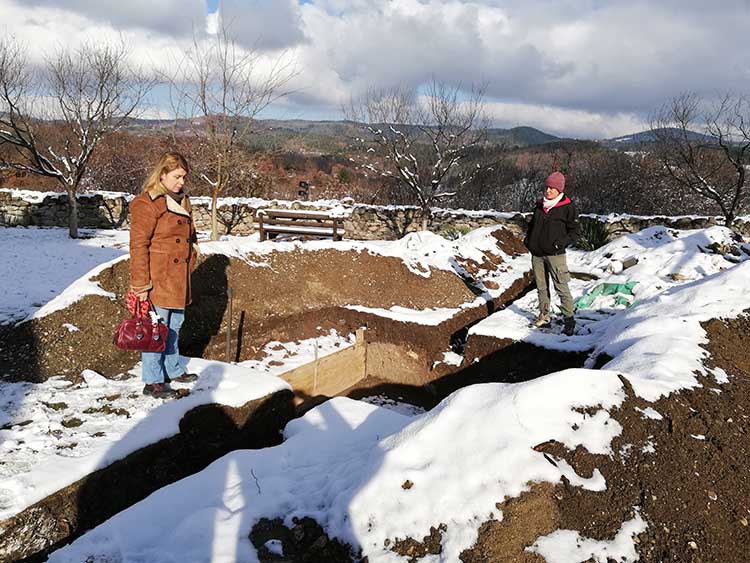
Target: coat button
pixel 178 240
pixel 187 260
pixel 179 221
pixel 176 260
pixel 189 221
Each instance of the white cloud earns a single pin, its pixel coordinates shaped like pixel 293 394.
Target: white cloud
pixel 565 122
pixel 263 24
pixel 591 68
pixel 172 17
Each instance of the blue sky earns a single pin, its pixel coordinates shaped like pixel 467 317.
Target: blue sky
pixel 588 69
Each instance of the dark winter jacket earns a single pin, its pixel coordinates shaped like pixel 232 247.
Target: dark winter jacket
pixel 549 233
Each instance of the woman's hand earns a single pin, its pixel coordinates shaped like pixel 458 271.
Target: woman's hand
pixel 142 296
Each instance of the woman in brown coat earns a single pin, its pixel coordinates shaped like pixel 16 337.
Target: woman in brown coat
pixel 162 258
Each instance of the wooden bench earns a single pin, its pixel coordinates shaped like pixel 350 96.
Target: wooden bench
pixel 318 224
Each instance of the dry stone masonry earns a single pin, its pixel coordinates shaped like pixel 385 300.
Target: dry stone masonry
pixel 109 210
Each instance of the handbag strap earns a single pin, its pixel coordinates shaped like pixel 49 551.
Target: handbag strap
pixel 136 308
pixel 152 307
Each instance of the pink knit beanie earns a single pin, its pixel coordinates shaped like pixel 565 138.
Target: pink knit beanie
pixel 556 180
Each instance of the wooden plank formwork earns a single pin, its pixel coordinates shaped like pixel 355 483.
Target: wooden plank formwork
pixel 332 374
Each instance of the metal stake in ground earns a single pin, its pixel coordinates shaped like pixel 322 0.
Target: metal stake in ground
pixel 228 351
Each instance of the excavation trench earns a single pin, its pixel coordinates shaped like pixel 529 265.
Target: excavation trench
pixel 398 360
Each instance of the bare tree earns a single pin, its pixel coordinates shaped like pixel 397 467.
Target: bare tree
pixel 421 141
pixel 221 88
pixel 54 118
pixel 706 151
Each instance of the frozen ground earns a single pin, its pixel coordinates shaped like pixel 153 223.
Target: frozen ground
pixel 40 266
pixel 54 433
pixel 347 463
pixel 37 264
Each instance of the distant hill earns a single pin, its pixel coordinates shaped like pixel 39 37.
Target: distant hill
pixel 644 138
pixel 331 136
pixel 521 137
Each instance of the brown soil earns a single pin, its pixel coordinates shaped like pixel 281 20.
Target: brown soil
pixel 694 494
pixel 525 518
pixel 297 295
pixel 305 542
pixel 415 550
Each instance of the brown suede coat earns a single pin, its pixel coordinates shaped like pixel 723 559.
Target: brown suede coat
pixel 162 256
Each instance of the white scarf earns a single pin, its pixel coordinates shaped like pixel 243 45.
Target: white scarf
pixel 550 203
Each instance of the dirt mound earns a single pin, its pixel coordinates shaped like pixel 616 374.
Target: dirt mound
pixel 686 472
pixel 285 296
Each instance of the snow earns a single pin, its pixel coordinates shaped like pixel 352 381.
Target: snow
pixel 37 264
pixel 656 343
pixel 394 405
pixel 567 546
pixel 297 212
pixel 452 359
pixel 279 357
pixel 32 196
pixel 421 252
pixel 720 375
pixel 44 448
pixel 47 271
pixel 344 464
pixel 648 412
pixel 429 317
pixel 299 230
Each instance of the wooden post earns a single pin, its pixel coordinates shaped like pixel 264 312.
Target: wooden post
pixel 228 351
pixel 315 373
pixel 261 231
pixel 361 342
pixel 335 224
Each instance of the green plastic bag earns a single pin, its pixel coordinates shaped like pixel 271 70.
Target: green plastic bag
pixel 585 301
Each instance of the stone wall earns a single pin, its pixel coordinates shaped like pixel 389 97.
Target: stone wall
pixel 109 210
pixel 44 209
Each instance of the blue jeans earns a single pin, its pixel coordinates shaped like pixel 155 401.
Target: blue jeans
pixel 158 364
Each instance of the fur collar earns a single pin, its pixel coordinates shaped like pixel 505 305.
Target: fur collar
pixel 160 191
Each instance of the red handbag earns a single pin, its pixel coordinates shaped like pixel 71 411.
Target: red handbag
pixel 141 333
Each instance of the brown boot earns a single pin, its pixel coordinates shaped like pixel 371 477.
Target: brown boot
pixel 569 326
pixel 184 378
pixel 542 319
pixel 159 391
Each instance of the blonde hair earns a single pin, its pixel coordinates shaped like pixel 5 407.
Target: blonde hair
pixel 169 161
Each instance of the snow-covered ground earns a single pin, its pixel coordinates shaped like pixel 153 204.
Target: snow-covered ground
pixel 419 251
pixel 37 264
pixel 666 259
pixel 54 433
pixel 346 463
pixel 41 265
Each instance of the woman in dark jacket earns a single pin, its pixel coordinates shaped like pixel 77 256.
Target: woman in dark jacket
pixel 162 257
pixel 553 226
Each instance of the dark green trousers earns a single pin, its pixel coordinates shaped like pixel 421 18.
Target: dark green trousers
pixel 556 267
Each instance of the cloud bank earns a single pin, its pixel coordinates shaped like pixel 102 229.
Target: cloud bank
pixel 587 69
